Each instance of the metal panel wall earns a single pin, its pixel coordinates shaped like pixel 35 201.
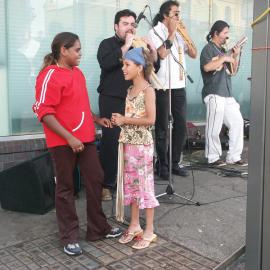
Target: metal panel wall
pixel 258 218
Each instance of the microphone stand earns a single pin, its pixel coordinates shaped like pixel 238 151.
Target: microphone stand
pixel 170 190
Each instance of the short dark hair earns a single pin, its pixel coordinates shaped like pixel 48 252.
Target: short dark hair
pixel 124 13
pixel 218 27
pixel 164 10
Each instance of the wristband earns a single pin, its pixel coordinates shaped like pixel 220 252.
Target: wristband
pixel 168 44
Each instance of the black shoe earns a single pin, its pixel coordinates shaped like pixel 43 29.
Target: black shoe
pixel 164 173
pixel 115 232
pixel 180 171
pixel 217 163
pixel 240 163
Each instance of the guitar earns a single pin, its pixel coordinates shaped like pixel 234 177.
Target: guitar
pixel 229 68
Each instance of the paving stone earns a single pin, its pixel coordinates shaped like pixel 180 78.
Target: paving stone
pixel 108 249
pixel 141 258
pixel 130 262
pixel 56 267
pixel 70 263
pixel 100 244
pixel 97 253
pixel 152 264
pixel 140 267
pixel 46 253
pixel 205 262
pixel 118 266
pixel 118 255
pixel 181 259
pixel 23 268
pixel 3 253
pixel 7 259
pixel 165 252
pixel 46 246
pixel 86 246
pixel 26 260
pixel 62 257
pixel 40 262
pixel 106 259
pixel 33 266
pixel 54 252
pixel 14 264
pixel 78 267
pixel 194 266
pixel 110 241
pixel 39 242
pixel 128 251
pixel 15 249
pixel 90 264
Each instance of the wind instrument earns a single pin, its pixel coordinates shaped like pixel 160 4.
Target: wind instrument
pixel 181 29
pixel 139 42
pixel 229 66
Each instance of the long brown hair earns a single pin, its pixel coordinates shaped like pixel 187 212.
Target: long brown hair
pixel 149 60
pixel 64 39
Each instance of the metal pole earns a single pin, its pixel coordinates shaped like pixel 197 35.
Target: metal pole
pixel 258 200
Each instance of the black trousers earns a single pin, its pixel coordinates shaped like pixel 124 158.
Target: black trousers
pixel 179 105
pixel 65 162
pixel 109 139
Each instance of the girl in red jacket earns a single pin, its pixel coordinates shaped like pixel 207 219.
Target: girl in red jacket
pixel 62 105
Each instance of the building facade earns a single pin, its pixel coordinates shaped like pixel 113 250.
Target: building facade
pixel 27 28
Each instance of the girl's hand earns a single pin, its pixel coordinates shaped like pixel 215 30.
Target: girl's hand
pixel 76 145
pixel 104 122
pixel 117 119
pixel 151 47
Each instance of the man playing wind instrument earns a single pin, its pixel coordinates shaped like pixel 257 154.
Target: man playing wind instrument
pixel 172 47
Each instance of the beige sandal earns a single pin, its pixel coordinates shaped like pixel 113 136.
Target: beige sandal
pixel 144 242
pixel 129 236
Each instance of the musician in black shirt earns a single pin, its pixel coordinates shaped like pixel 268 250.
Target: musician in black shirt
pixel 112 91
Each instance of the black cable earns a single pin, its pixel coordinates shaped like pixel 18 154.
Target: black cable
pixel 225 199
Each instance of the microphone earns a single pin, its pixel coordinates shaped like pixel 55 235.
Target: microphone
pixel 141 16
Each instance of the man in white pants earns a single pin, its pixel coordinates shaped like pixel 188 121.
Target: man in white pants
pixel 217 67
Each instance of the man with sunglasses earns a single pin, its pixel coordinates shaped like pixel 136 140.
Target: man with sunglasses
pixel 112 91
pixel 171 49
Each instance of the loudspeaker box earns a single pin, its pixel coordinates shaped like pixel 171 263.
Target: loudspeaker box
pixel 29 186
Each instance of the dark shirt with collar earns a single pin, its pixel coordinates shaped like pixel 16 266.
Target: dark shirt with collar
pixel 112 81
pixel 214 82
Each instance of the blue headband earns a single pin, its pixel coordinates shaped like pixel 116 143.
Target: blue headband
pixel 135 55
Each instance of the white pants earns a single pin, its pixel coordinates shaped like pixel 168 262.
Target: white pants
pixel 221 110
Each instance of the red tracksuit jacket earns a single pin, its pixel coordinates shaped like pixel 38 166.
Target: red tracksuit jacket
pixel 63 93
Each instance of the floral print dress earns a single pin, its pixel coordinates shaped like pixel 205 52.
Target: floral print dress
pixel 138 148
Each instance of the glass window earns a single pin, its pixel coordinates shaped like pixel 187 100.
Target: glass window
pixel 27 28
pixel 4 122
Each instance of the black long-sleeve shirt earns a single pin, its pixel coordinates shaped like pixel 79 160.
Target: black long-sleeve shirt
pixel 112 81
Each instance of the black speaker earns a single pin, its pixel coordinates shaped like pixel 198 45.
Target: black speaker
pixel 29 186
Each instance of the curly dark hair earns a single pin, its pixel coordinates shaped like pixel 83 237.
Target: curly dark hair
pixel 164 10
pixel 217 27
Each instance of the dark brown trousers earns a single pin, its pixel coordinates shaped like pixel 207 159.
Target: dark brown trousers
pixel 65 162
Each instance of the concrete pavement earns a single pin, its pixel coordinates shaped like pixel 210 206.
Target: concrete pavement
pixel 190 236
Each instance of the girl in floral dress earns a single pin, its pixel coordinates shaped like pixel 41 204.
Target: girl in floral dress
pixel 135 183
